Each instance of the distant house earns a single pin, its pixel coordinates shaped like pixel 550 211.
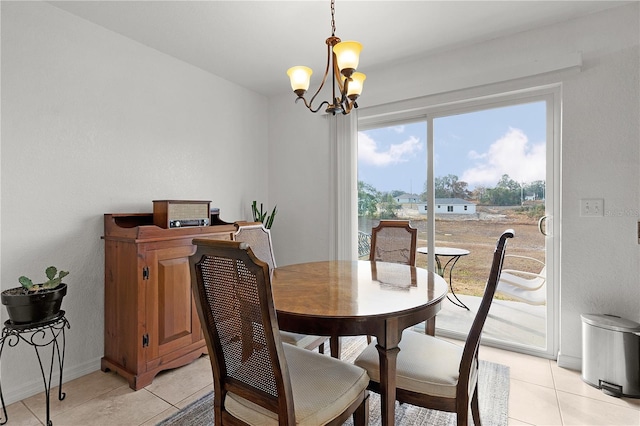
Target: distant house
pixel 407 198
pixel 449 206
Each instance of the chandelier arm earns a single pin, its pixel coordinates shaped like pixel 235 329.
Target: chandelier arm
pixel 343 101
pixel 324 79
pixel 308 104
pixel 336 75
pixel 348 107
pixel 319 106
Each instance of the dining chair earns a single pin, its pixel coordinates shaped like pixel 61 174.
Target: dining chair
pixel 394 241
pixel 257 379
pixel 259 239
pixel 437 374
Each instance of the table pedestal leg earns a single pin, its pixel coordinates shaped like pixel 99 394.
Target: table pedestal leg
pixel 388 358
pixel 336 346
pixel 430 326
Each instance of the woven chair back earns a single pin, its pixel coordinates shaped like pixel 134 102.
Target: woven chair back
pixel 234 299
pixel 259 239
pixel 394 241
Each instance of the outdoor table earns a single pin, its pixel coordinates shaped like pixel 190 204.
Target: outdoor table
pixel 454 254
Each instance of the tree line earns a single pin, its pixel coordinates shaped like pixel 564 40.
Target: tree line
pixel 507 192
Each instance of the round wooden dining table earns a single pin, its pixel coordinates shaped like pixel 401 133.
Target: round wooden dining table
pixel 353 298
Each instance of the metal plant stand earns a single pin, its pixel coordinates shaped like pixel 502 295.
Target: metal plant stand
pixel 39 335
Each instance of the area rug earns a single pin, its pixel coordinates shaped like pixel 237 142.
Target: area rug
pixel 493 397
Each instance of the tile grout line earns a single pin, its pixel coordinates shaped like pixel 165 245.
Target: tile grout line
pixel 555 391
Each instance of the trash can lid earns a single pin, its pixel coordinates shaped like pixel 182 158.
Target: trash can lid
pixel 611 322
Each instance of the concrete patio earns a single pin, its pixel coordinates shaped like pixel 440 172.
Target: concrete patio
pixel 508 322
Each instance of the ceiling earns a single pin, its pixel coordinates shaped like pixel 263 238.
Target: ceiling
pixel 252 43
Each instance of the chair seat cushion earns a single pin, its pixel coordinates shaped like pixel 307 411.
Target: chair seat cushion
pixel 425 364
pixel 300 340
pixel 323 388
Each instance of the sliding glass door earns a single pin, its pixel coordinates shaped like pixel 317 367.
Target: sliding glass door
pixel 463 174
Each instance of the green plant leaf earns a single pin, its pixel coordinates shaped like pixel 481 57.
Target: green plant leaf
pixel 271 217
pixel 52 280
pixel 26 282
pixel 51 272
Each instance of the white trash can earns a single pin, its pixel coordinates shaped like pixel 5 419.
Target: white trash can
pixel 611 354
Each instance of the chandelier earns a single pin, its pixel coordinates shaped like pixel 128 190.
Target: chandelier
pixel 342 59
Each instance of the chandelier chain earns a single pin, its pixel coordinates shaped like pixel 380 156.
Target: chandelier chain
pixel 333 19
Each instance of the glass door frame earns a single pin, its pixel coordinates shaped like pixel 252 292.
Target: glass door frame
pixel 428 109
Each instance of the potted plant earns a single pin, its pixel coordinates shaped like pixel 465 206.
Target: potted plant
pixel 261 216
pixel 35 303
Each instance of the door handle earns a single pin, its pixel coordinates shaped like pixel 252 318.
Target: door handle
pixel 541 228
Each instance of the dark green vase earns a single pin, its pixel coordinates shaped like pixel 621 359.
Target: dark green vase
pixel 33 308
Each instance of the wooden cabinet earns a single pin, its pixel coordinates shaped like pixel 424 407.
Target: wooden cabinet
pixel 151 323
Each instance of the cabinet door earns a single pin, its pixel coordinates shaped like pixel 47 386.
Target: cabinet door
pixel 172 318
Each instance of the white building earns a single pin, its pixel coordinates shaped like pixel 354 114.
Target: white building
pixel 407 198
pixel 449 206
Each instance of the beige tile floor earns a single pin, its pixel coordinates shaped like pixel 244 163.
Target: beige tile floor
pixel 540 394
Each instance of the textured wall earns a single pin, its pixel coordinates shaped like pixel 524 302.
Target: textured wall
pixel 601 150
pixel 95 123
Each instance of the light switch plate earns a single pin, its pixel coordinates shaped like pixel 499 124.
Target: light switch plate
pixel 591 207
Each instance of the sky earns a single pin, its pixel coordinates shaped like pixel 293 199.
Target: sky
pixel 478 147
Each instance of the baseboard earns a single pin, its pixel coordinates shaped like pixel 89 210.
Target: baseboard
pixel 35 387
pixel 570 362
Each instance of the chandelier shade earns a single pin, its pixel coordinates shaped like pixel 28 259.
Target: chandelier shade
pixel 347 55
pixel 342 61
pixel 355 86
pixel 300 77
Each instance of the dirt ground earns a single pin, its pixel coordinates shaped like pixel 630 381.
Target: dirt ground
pixel 478 233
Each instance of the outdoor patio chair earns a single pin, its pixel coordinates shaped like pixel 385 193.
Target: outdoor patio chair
pixel 257 379
pixel 259 239
pixel 394 241
pixel 523 286
pixel 435 373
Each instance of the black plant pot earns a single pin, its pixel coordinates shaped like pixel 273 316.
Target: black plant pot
pixel 33 308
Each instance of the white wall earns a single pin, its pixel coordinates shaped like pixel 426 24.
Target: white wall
pixel 600 256
pixel 95 123
pixel 300 176
pixel 600 268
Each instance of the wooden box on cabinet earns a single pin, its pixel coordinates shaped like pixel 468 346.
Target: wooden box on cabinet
pixel 151 323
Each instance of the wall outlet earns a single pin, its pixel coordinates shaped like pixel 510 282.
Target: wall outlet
pixel 592 207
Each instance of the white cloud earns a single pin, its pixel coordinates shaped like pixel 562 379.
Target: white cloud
pixel 368 151
pixel 512 154
pixel 398 129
